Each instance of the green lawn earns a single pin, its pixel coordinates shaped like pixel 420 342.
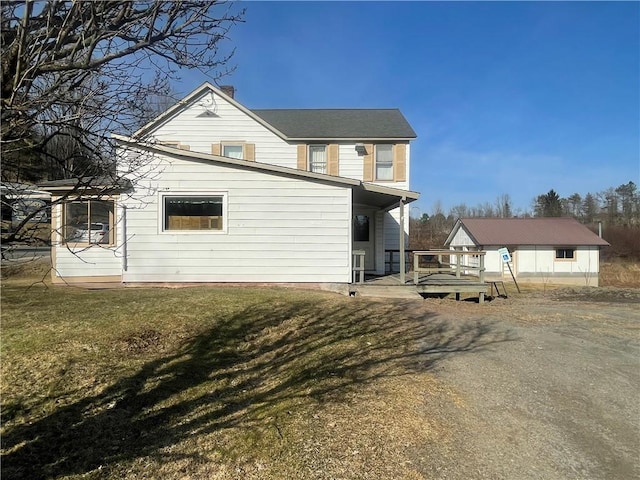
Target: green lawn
pixel 214 382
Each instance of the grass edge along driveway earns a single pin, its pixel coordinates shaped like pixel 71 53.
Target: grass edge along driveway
pixel 219 382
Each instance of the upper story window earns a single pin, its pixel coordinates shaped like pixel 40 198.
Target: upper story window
pixel 384 162
pixel 88 222
pixel 318 158
pixel 233 151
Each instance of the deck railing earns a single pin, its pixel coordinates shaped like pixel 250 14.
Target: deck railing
pixel 358 266
pixel 392 260
pixel 454 262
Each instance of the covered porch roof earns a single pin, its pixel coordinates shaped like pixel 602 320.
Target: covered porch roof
pixel 384 198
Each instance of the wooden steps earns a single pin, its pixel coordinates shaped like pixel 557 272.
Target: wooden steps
pixel 385 291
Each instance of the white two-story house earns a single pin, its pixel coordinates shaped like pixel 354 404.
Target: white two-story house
pixel 212 191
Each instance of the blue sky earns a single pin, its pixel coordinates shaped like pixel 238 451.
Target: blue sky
pixel 509 98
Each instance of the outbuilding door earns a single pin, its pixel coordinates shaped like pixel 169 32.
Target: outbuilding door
pixel 364 236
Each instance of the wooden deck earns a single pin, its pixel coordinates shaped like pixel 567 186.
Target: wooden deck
pixel 434 272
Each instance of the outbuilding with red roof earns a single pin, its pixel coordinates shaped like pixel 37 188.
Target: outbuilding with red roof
pixel 553 250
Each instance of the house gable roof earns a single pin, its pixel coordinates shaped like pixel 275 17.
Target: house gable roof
pixel 305 124
pixel 194 97
pixel 369 193
pixel 359 124
pixel 564 231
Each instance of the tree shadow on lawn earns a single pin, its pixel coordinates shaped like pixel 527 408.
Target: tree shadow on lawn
pixel 243 372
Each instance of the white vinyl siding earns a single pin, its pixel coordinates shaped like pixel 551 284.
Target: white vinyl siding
pixel 229 124
pixel 279 229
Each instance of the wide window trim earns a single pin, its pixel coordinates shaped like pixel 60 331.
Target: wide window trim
pixel 88 222
pixel 163 219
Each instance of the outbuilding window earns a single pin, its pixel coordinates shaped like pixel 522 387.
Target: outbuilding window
pixel 193 212
pixel 88 222
pixel 565 253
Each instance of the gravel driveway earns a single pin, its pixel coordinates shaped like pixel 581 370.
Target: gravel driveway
pixel 560 400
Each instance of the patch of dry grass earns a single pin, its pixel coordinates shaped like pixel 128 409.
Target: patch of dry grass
pixel 218 383
pixel 26 271
pixel 620 273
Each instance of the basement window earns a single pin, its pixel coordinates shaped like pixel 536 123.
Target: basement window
pixel 565 253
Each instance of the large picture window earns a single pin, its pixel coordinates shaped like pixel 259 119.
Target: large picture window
pixel 88 222
pixel 384 162
pixel 193 212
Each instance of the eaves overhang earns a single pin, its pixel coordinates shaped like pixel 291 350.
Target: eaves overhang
pixel 350 139
pixel 380 196
pixel 98 185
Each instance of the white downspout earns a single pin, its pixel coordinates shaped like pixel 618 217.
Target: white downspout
pixel 124 238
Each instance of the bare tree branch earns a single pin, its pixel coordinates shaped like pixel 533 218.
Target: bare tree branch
pixel 73 72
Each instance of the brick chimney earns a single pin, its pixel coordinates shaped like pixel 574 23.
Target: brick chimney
pixel 228 90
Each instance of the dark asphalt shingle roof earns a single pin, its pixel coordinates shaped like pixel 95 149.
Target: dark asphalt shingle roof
pixel 81 183
pixel 562 231
pixel 338 123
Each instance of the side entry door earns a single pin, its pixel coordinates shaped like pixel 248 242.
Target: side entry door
pixel 364 237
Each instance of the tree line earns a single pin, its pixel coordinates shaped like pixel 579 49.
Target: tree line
pixel 615 209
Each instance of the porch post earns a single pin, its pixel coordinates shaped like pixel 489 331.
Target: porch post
pixel 402 253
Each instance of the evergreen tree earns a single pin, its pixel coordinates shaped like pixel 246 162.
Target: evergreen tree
pixel 548 205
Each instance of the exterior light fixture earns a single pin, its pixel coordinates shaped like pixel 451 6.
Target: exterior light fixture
pixel 360 149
